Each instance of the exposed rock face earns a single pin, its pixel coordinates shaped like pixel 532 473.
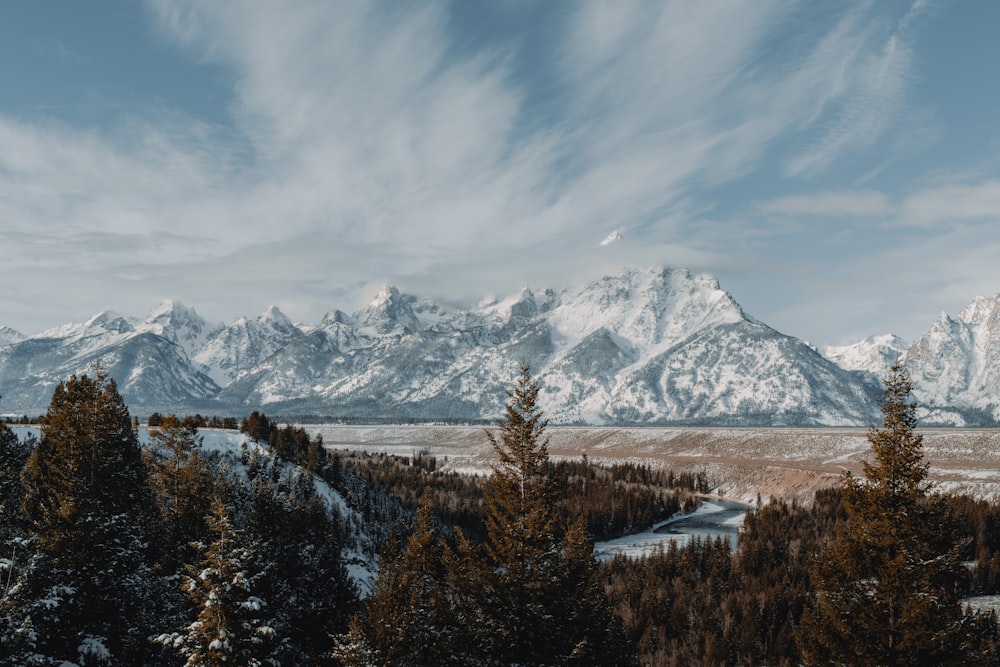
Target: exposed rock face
pixel 647 346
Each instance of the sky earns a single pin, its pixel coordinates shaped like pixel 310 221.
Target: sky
pixel 835 165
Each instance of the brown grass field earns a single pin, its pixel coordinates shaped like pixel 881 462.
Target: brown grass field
pixel 743 463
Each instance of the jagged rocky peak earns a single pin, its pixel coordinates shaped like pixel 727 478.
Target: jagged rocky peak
pixel 336 318
pixel 109 321
pixel 179 324
pixel 389 313
pixel 277 321
pixel 171 312
pixel 10 336
pixel 175 321
pixel 874 354
pixel 983 310
pixel 519 305
pixel 647 306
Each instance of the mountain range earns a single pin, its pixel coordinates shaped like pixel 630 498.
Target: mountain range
pixel 644 346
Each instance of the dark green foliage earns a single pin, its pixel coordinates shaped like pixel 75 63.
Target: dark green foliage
pixel 409 619
pixel 224 586
pixel 889 584
pixel 13 457
pixel 89 590
pixel 539 600
pixel 288 443
pixel 182 480
pixel 258 426
pixel 703 604
pixel 293 533
pixel 529 596
pixel 613 500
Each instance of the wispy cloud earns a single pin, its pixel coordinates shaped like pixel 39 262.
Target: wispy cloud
pixel 952 205
pixel 867 64
pixel 366 134
pixel 849 204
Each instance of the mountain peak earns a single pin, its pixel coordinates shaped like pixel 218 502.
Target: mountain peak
pixel 982 309
pixel 179 324
pixel 9 336
pixel 875 354
pixel 389 313
pixel 273 314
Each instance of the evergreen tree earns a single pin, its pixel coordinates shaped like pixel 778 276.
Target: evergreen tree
pixel 182 482
pixel 230 627
pixel 542 603
pixel 87 595
pixel 292 533
pixel 15 550
pixel 13 456
pixel 889 584
pixel 408 614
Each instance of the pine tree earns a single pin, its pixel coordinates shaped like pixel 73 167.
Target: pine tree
pixel 15 550
pixel 408 620
pixel 182 481
pixel 13 457
pixel 293 533
pixel 230 627
pixel 88 592
pixel 889 585
pixel 543 605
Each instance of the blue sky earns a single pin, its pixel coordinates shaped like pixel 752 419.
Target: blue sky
pixel 836 165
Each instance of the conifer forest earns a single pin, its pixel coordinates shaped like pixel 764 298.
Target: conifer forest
pixel 117 550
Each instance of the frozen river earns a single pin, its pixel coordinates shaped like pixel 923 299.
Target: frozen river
pixel 715 518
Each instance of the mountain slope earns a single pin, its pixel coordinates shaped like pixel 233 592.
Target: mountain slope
pixel 955 366
pixel 235 350
pixel 874 354
pixel 642 346
pixel 149 369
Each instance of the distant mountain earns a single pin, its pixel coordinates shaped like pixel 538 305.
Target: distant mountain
pixel 236 350
pixel 955 366
pixel 644 346
pixel 9 336
pixel 874 354
pixel 150 369
pixel 180 325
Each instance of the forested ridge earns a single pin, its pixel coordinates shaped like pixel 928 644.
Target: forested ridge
pixel 113 554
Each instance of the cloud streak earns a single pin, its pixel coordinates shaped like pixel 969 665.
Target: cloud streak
pixel 374 140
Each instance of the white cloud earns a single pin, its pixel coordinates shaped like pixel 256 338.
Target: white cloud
pixel 863 84
pixel 952 205
pixel 363 137
pixel 843 204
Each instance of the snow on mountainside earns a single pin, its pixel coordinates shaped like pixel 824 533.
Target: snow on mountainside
pixel 874 354
pixel 642 346
pixel 149 369
pixel 9 336
pixel 955 366
pixel 237 349
pixel 180 325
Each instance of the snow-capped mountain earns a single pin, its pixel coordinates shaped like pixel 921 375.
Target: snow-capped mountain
pixel 180 325
pixel 9 336
pixel 955 366
pixel 641 346
pixel 874 354
pixel 149 369
pixel 233 351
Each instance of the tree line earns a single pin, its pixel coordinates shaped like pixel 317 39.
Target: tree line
pixel 111 554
